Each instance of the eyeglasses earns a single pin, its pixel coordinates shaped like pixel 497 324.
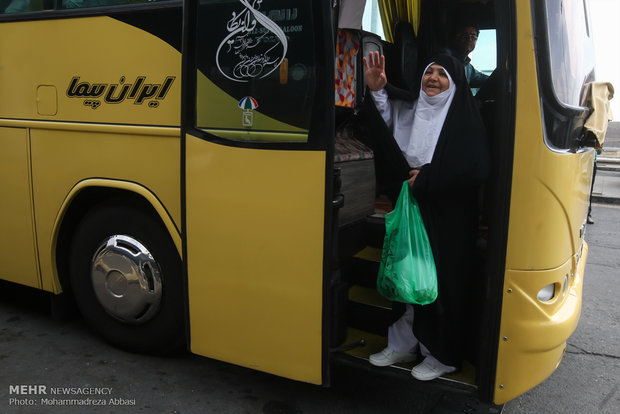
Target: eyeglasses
pixel 468 36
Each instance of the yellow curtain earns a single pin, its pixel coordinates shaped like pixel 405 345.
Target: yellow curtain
pixel 392 11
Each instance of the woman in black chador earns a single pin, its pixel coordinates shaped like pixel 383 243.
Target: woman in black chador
pixel 437 142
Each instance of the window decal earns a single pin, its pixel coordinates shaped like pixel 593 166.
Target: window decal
pixel 264 49
pixel 248 104
pixel 249 51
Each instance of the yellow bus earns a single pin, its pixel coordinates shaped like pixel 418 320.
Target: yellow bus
pixel 192 174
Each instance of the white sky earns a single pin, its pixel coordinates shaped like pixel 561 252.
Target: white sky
pixel 605 19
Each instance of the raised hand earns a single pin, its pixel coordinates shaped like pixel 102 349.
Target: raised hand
pixel 375 71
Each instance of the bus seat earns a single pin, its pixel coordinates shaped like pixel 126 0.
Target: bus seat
pixel 350 81
pixel 370 43
pixel 407 55
pixel 347 47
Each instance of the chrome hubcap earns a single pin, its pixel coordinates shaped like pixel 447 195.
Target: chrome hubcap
pixel 126 279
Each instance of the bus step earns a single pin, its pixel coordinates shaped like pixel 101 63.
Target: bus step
pixel 368 296
pixel 349 346
pixel 368 311
pixel 375 231
pixel 363 267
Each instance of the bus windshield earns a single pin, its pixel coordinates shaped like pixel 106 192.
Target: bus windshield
pixel 571 54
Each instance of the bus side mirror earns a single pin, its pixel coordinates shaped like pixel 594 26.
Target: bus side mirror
pixel 588 139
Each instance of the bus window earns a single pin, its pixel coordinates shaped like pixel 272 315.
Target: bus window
pixel 571 57
pixel 259 62
pixel 372 19
pixel 566 64
pixel 21 6
pixel 484 56
pixel 77 4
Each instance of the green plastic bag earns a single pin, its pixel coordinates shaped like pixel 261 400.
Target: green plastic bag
pixel 407 272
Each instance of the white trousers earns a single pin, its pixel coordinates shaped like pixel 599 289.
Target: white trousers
pixel 402 339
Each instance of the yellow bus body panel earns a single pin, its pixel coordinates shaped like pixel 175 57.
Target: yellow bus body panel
pixel 128 186
pixel 17 246
pixel 255 257
pixel 36 80
pixel 534 334
pixel 95 155
pixel 71 141
pixel 549 203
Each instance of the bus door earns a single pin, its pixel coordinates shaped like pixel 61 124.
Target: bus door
pixel 258 122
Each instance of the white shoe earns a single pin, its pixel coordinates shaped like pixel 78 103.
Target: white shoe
pixel 426 372
pixel 388 357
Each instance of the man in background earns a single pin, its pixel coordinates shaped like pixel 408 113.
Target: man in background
pixel 463 42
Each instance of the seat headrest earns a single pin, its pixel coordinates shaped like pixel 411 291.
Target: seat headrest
pixel 407 50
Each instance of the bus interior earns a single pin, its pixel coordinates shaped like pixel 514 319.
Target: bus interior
pixel 361 317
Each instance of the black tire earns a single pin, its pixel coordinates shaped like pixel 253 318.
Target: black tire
pixel 162 330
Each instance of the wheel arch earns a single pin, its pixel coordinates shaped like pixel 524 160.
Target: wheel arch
pixel 86 195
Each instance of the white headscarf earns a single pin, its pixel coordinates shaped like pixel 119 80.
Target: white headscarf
pixel 416 127
pixel 418 144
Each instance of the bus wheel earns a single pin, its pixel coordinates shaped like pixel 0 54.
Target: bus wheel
pixel 126 276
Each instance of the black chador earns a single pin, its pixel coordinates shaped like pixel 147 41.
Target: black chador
pixel 446 189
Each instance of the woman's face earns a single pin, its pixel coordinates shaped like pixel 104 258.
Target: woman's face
pixel 435 80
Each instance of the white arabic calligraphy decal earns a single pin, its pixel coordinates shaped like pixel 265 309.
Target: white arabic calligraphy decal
pixel 248 51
